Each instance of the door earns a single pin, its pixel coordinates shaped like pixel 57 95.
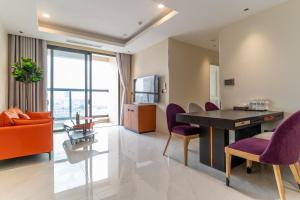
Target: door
pixel 214 85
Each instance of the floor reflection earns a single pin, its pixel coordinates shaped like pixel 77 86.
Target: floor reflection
pixel 122 165
pixel 82 165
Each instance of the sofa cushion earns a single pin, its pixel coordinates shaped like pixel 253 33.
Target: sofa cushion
pixel 39 115
pixel 22 122
pixel 23 116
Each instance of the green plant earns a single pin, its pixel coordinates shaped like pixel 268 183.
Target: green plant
pixel 27 72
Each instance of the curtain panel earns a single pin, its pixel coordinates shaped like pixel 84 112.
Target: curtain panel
pixel 124 67
pixel 36 49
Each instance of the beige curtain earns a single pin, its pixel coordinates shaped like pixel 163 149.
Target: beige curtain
pixel 124 66
pixel 36 49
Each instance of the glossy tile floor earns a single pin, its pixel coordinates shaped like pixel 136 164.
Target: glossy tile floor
pixel 121 165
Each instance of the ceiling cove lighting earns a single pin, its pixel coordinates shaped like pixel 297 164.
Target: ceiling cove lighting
pixel 161 6
pixel 46 15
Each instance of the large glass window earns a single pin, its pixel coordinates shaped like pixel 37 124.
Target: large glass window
pixel 76 85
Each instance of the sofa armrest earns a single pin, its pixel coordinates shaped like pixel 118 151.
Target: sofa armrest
pixel 40 115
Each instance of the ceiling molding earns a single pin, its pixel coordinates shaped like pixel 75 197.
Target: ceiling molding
pixel 101 38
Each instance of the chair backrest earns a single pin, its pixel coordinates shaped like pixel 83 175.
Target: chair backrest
pixel 209 106
pixel 195 108
pixel 172 110
pixel 284 147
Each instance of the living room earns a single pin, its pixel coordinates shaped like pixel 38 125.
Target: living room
pixel 146 99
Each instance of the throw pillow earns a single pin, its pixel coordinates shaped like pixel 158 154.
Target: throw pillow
pixel 23 116
pixel 8 118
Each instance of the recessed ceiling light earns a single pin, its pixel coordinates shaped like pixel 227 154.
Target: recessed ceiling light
pixel 140 23
pixel 46 15
pixel 160 6
pixel 21 32
pixel 246 9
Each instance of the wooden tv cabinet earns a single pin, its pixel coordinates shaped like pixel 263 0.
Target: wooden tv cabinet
pixel 140 118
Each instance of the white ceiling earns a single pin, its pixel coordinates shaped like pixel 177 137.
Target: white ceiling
pixel 109 17
pixel 104 22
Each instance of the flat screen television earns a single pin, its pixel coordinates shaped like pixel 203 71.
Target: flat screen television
pixel 146 89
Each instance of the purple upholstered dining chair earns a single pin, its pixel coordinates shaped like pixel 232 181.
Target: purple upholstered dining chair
pixel 209 106
pixel 181 130
pixel 282 149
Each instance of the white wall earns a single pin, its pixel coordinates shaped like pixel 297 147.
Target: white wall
pixel 262 54
pixel 189 68
pixel 154 60
pixel 3 68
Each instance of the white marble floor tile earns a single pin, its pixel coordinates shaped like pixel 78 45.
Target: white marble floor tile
pixel 122 165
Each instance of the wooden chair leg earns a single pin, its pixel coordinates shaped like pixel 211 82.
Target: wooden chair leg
pixel 278 178
pixel 296 173
pixel 249 166
pixel 167 144
pixel 228 167
pixel 186 145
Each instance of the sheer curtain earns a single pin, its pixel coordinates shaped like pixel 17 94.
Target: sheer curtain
pixel 36 49
pixel 124 67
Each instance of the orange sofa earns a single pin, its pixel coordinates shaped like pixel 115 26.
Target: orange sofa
pixel 26 136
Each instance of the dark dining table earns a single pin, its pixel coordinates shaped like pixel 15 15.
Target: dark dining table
pixel 223 127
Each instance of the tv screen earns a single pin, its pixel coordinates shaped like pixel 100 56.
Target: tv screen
pixel 146 89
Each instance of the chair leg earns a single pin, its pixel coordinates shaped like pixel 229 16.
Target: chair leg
pixel 228 166
pixel 278 178
pixel 167 144
pixel 296 173
pixel 249 166
pixel 186 145
pixel 50 155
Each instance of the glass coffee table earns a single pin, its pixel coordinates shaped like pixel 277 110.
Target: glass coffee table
pixel 82 132
pixel 77 136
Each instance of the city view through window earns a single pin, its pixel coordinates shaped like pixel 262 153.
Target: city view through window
pixel 78 86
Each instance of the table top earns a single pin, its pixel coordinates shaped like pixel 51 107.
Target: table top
pixel 232 114
pixel 229 119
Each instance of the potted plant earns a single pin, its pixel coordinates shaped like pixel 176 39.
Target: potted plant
pixel 27 72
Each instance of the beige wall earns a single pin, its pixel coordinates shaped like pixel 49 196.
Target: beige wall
pixel 154 61
pixel 189 68
pixel 262 54
pixel 3 68
pixel 183 67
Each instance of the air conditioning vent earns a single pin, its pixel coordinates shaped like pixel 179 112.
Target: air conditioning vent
pixel 84 44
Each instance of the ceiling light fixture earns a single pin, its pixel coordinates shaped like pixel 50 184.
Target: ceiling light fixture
pixel 246 9
pixel 160 6
pixel 46 15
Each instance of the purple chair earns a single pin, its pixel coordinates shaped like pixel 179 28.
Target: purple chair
pixel 282 149
pixel 209 106
pixel 181 130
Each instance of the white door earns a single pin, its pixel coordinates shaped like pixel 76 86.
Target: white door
pixel 214 85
